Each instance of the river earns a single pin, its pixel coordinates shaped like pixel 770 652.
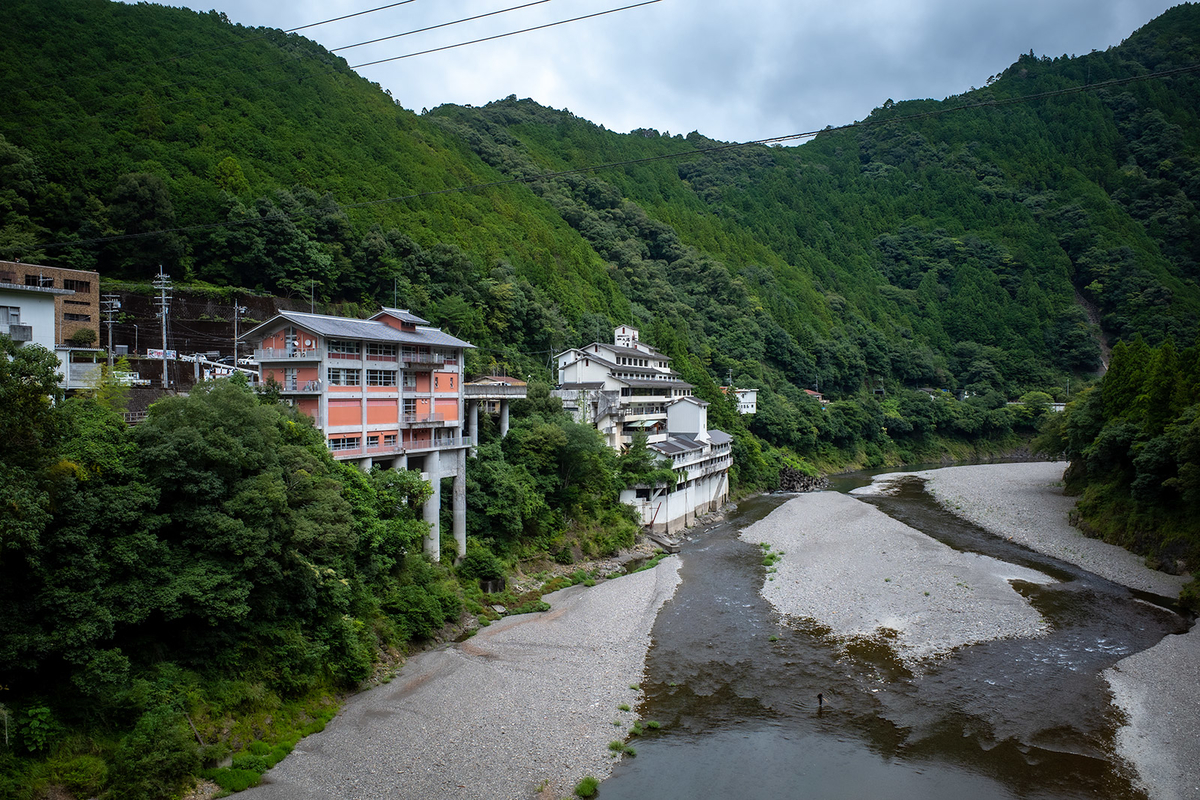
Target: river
pixel 735 687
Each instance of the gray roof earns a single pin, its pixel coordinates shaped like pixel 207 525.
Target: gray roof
pixel 20 287
pixel 402 314
pixel 575 386
pixel 671 383
pixel 719 437
pixel 367 329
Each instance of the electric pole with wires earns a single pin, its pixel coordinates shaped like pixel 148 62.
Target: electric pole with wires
pixel 162 282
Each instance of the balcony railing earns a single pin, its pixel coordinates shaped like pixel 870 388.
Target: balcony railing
pixel 300 386
pixel 422 419
pixel 410 447
pixel 274 353
pixel 428 358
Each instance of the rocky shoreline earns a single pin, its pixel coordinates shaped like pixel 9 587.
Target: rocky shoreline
pixel 525 708
pixel 1157 690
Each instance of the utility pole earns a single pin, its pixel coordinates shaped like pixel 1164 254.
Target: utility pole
pixel 237 317
pixel 110 305
pixel 162 282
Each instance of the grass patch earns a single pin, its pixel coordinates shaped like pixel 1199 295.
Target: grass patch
pixel 587 787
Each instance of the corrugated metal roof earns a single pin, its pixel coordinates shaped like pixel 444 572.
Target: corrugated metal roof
pixel 366 329
pixel 719 437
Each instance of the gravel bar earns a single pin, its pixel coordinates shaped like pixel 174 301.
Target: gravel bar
pixel 1158 690
pixel 1024 503
pixel 860 573
pixel 525 706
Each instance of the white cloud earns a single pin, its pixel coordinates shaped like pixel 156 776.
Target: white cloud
pixel 732 70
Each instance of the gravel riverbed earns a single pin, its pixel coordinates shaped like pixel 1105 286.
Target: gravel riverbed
pixel 860 573
pixel 1157 690
pixel 526 706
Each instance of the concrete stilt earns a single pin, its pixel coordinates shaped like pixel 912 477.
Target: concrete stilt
pixel 433 506
pixel 473 406
pixel 401 462
pixel 460 502
pixel 503 418
pixel 364 464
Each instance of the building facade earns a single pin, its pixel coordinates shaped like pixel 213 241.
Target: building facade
pixel 27 313
pixel 75 309
pixel 628 388
pixel 384 391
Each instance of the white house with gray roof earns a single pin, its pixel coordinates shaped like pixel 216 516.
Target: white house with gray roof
pixel 628 388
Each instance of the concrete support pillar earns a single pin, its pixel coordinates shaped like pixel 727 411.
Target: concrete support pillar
pixel 460 502
pixel 433 506
pixel 401 462
pixel 365 464
pixel 503 418
pixel 473 416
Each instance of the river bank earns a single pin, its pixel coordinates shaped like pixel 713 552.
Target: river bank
pixel 524 708
pixel 1157 690
pixel 861 574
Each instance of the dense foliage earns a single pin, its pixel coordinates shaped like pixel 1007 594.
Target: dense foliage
pixel 1134 446
pixel 983 245
pixel 143 570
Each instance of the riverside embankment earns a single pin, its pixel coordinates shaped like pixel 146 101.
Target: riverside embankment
pixel 525 706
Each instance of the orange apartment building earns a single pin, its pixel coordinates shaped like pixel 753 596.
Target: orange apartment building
pixel 384 391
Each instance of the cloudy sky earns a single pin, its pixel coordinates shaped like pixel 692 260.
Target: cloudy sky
pixel 733 70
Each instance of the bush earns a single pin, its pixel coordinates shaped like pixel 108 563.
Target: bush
pixel 481 564
pixel 587 787
pixel 155 759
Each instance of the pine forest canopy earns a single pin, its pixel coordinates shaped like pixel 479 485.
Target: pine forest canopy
pixel 992 249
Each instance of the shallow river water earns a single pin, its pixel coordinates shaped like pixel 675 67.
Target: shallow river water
pixel 735 687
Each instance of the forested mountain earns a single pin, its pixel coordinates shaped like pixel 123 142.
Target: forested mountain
pixel 215 567
pixel 958 244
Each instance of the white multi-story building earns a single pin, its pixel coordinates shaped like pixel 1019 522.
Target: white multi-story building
pixel 627 388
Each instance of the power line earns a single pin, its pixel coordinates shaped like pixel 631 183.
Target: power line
pixel 238 43
pixel 435 27
pixel 504 35
pixel 697 151
pixel 109 100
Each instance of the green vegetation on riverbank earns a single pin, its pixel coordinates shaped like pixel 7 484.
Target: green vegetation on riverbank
pixel 1134 446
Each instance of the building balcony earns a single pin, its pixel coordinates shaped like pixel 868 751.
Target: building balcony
pixel 301 387
pixel 286 354
pixel 424 419
pixel 427 360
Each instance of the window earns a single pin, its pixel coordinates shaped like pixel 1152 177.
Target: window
pixel 10 315
pixel 410 380
pixel 343 377
pixel 373 441
pixel 381 377
pixel 389 440
pixel 77 317
pixel 340 348
pixel 38 280
pixel 344 443
pixel 79 286
pixel 77 302
pixel 410 406
pixel 381 352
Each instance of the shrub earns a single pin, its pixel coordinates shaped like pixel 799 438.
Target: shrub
pixel 587 787
pixel 155 759
pixel 481 564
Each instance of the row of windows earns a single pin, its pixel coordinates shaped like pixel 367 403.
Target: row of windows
pixel 341 376
pixel 639 362
pixel 344 443
pixel 77 317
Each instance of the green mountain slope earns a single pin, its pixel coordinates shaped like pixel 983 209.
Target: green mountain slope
pixel 988 244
